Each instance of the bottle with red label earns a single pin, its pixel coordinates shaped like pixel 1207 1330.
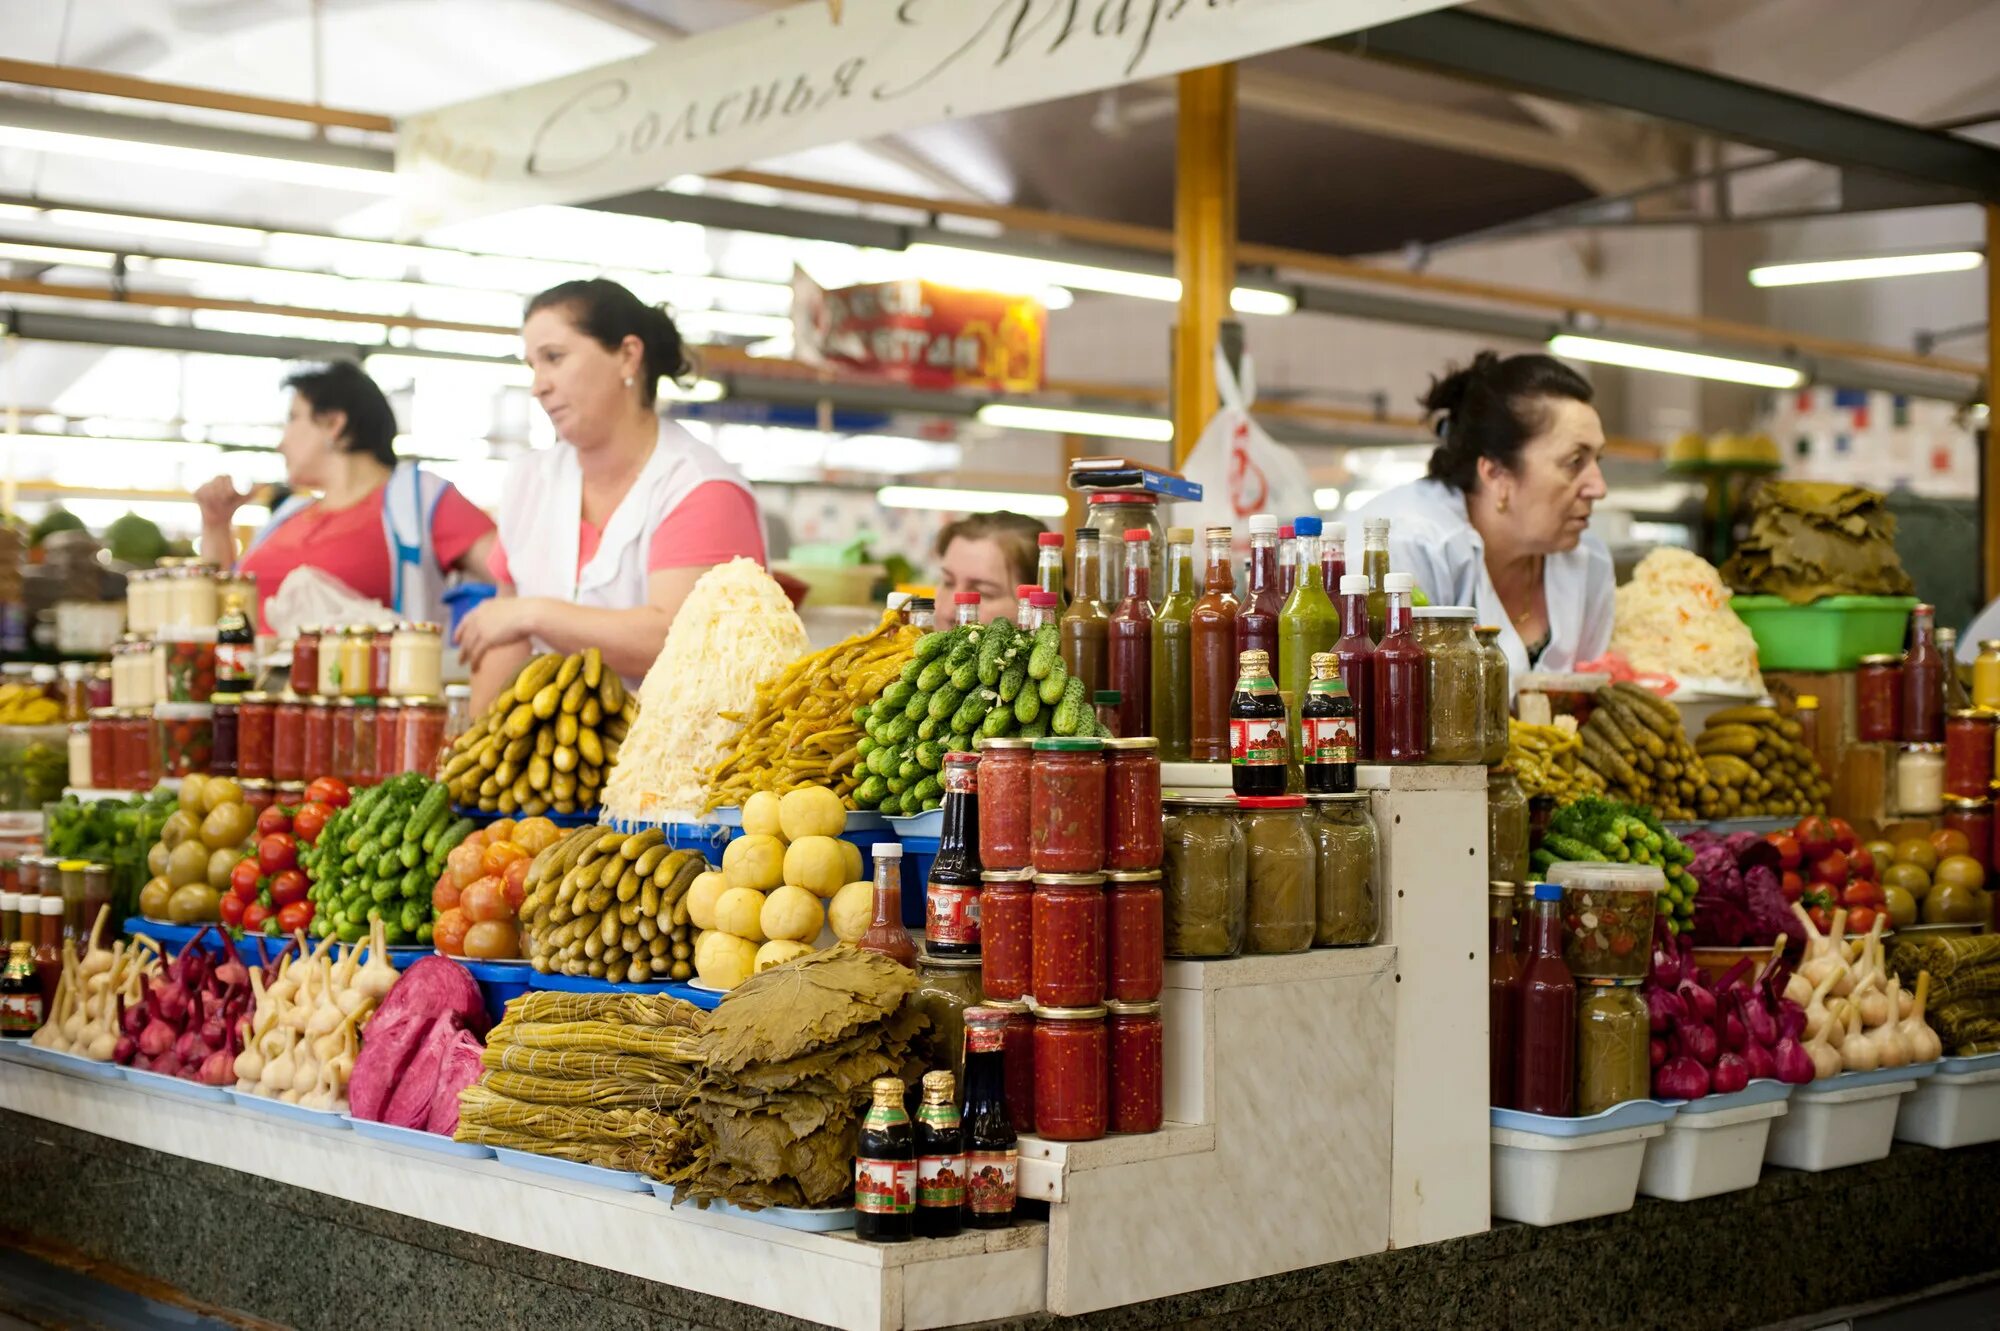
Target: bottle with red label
pixel 21 1008
pixel 1258 745
pixel 885 1168
pixel 1330 729
pixel 951 901
pixel 940 1160
pixel 235 648
pixel 990 1140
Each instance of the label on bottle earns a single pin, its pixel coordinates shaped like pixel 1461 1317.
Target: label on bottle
pixel 951 913
pixel 1332 739
pixel 941 1181
pixel 961 778
pixel 1257 741
pixel 21 1013
pixel 989 1186
pixel 885 1187
pixel 235 661
pixel 985 1037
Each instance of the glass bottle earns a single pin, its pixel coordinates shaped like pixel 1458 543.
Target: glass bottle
pixel 1172 650
pixel 990 1139
pixel 886 933
pixel 235 648
pixel 1086 623
pixel 21 1009
pixel 1332 558
pixel 1042 610
pixel 940 1160
pixel 1212 646
pixel 1024 608
pixel 1257 722
pixel 1545 1025
pixel 1923 681
pixel 951 902
pixel 1129 645
pixel 1503 996
pixel 1288 561
pixel 921 613
pixel 964 609
pixel 1257 616
pixel 1049 566
pixel 1307 626
pixel 1327 724
pixel 1398 667
pixel 1956 699
pixel 885 1168
pixel 1375 566
pixel 1355 650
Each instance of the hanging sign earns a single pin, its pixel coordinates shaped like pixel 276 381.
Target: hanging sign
pixel 921 334
pixel 801 76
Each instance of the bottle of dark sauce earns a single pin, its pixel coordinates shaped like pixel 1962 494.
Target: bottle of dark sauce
pixel 1330 730
pixel 951 905
pixel 885 1168
pixel 989 1129
pixel 940 1160
pixel 1258 744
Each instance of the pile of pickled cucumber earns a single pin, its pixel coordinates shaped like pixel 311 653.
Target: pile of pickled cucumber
pixel 545 744
pixel 1546 760
pixel 971 682
pixel 1634 740
pixel 1760 766
pixel 611 905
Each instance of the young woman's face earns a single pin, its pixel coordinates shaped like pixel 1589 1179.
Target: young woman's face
pixel 976 566
pixel 582 386
pixel 1555 481
pixel 310 441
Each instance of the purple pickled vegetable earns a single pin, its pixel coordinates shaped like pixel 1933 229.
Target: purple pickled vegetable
pixel 1666 969
pixel 1681 1079
pixel 1791 1021
pixel 1697 1002
pixel 1657 1052
pixel 1731 1075
pixel 1663 1009
pixel 1763 1063
pixel 127 1048
pixel 1697 1042
pixel 1757 1018
pixel 1731 1032
pixel 460 1068
pixel 1795 1065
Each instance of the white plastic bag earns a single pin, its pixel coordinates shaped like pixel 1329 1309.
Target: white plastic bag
pixel 1241 469
pixel 310 595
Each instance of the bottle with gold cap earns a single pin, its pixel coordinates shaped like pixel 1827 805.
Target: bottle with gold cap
pixel 940 1160
pixel 1332 739
pixel 1258 746
pixel 885 1168
pixel 235 648
pixel 21 1009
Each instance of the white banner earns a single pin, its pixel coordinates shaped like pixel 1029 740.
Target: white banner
pixel 796 78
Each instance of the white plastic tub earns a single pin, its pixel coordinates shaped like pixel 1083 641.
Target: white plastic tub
pixel 1713 1145
pixel 1550 1171
pixel 1960 1106
pixel 1835 1123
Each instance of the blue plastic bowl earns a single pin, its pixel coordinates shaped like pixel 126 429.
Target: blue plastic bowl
pixel 499 981
pixel 464 598
pixel 918 854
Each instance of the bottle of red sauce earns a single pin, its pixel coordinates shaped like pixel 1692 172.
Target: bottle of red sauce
pixel 1503 980
pixel 1545 1033
pixel 1257 617
pixel 1923 680
pixel 1399 701
pixel 1356 653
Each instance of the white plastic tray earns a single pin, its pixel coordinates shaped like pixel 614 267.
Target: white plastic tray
pixel 1716 1148
pixel 1953 1108
pixel 1541 1179
pixel 1832 1126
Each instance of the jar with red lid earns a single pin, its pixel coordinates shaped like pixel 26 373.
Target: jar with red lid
pixel 343 740
pixel 381 648
pixel 1018 1062
pixel 305 661
pixel 1138 1067
pixel 1132 815
pixel 1974 818
pixel 318 760
pixel 1006 931
pixel 104 769
pixel 1968 754
pixel 1004 766
pixel 288 738
pixel 388 738
pixel 1282 906
pixel 256 719
pixel 1135 936
pixel 137 760
pixel 420 735
pixel 362 721
pixel 1068 918
pixel 259 795
pixel 1066 805
pixel 1878 699
pixel 186 732
pixel 1072 1073
pixel 224 736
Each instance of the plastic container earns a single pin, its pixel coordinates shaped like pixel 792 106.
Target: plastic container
pixel 499 981
pixel 1835 1123
pixel 415 1139
pixel 1832 633
pixel 463 599
pixel 1550 1171
pixel 1959 1106
pixel 1607 918
pixel 1714 1144
pixel 918 853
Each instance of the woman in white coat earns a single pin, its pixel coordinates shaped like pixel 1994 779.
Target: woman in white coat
pixel 603 535
pixel 1500 522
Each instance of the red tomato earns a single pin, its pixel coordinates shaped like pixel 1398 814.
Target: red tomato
pixel 310 821
pixel 1831 868
pixel 287 886
pixel 244 878
pixel 1815 836
pixel 1860 919
pixel 486 899
pixel 1843 835
pixel 295 917
pixel 1821 920
pixel 273 819
pixel 277 852
pixel 330 791
pixel 448 932
pixel 1787 846
pixel 500 854
pixel 515 880
pixel 490 940
pixel 1861 862
pixel 254 916
pixel 1791 884
pixel 446 894
pixel 1863 893
pixel 232 909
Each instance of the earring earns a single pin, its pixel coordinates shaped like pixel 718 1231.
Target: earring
pixel 628 381
pixel 1504 501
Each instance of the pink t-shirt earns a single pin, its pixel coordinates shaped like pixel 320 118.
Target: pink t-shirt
pixel 716 523
pixel 349 543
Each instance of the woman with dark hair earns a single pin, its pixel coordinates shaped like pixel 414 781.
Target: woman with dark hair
pixel 603 536
pixel 387 529
pixel 1500 524
pixel 988 553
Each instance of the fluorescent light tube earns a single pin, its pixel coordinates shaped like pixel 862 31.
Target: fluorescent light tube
pixel 971 501
pixel 988 270
pixel 162 228
pixel 1009 416
pixel 286 170
pixel 1328 498
pixel 56 255
pixel 1855 270
pixel 1636 356
pixel 1255 300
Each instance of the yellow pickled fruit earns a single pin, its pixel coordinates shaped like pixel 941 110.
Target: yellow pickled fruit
pixel 218 791
pixel 191 788
pixel 756 861
pixel 851 911
pixel 702 893
pixel 1959 871
pixel 811 811
pixel 816 864
pixel 740 911
pixel 1902 907
pixel 1953 903
pixel 153 898
pixel 851 855
pixel 724 960
pixel 1907 877
pixel 779 951
pixel 760 814
pixel 791 914
pixel 188 863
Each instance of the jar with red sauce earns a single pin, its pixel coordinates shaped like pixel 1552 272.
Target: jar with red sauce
pixel 1066 805
pixel 318 760
pixel 1132 812
pixel 1072 1073
pixel 305 661
pixel 1018 1062
pixel 1973 817
pixel 1006 931
pixel 380 649
pixel 138 759
pixel 256 721
pixel 288 738
pixel 1968 754
pixel 1138 1067
pixel 362 721
pixel 388 738
pixel 291 794
pixel 1004 765
pixel 104 772
pixel 259 795
pixel 224 737
pixel 186 738
pixel 1068 940
pixel 1878 699
pixel 1135 936
pixel 420 735
pixel 343 741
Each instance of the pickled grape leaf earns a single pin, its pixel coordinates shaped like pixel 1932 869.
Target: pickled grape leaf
pixel 1810 539
pixel 789 1010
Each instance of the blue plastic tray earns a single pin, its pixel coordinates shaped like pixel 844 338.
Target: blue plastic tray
pixel 623 1180
pixel 1852 1081
pixel 416 1140
pixel 858 820
pixel 1958 1067
pixel 1763 1091
pixel 708 838
pixel 264 1104
pixel 813 1220
pixel 76 1065
pixel 584 984
pixel 499 981
pixel 583 819
pixel 174 1086
pixel 1631 1114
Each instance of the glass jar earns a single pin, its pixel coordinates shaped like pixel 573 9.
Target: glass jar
pixel 1138 1066
pixel 416 661
pixel 291 793
pixel 420 735
pixel 1968 754
pixel 1454 695
pixel 1066 802
pixel 138 759
pixel 1974 818
pixel 1004 841
pixel 1017 1053
pixel 457 710
pixel 343 741
pixel 98 687
pixel 192 598
pixel 69 874
pixel 388 738
pixel 96 891
pixel 187 738
pixel 76 691
pixel 1135 936
pixel 1347 867
pixel 79 756
pixel 1068 940
pixel 259 795
pixel 328 684
pixel 190 661
pixel 357 657
pixel 1607 912
pixel 946 987
pixel 304 676
pixel 1920 780
pixel 1072 1070
pixel 381 646
pixel 104 767
pixel 1006 930
pixel 225 735
pixel 1496 695
pixel 1206 880
pixel 1506 828
pixel 1612 1043
pixel 1282 909
pixel 288 738
pixel 318 742
pixel 1113 513
pixel 363 720
pixel 137 602
pixel 1878 699
pixel 1986 676
pixel 256 721
pixel 1132 820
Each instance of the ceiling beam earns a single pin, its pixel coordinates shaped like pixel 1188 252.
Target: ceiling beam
pixel 69 78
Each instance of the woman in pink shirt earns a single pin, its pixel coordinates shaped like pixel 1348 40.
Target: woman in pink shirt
pixel 603 536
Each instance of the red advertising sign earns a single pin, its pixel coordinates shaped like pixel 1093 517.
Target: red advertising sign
pixel 922 334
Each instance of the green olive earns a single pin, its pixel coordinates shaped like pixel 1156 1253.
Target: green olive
pixel 188 863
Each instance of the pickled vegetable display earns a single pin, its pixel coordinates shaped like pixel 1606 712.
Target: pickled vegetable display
pixel 1282 908
pixel 1206 879
pixel 1612 1058
pixel 1607 914
pixel 1347 856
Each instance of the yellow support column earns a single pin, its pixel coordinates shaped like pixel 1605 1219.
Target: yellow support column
pixel 1989 461
pixel 1204 242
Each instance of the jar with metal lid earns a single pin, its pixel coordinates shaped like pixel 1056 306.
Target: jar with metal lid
pixel 1454 698
pixel 136 603
pixel 328 684
pixel 190 662
pixel 1986 676
pixel 304 675
pixel 1974 819
pixel 1132 817
pixel 1612 1045
pixel 1282 909
pixel 420 735
pixel 1067 805
pixel 1068 938
pixel 104 749
pixel 318 742
pixel 1347 866
pixel 1072 1073
pixel 256 723
pixel 138 751
pixel 946 987
pixel 381 645
pixel 388 738
pixel 1506 827
pixel 1004 775
pixel 1968 753
pixel 96 891
pixel 193 598
pixel 1205 884
pixel 98 686
pixel 1137 1056
pixel 357 656
pixel 1878 699
pixel 186 738
pixel 343 741
pixel 1018 1060
pixel 259 795
pixel 79 756
pixel 457 710
pixel 1112 513
pixel 1496 695
pixel 1135 936
pixel 288 738
pixel 69 875
pixel 225 736
pixel 416 661
pixel 76 691
pixel 1920 780
pixel 1006 931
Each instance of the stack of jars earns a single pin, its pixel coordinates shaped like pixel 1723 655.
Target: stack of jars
pixel 1072 924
